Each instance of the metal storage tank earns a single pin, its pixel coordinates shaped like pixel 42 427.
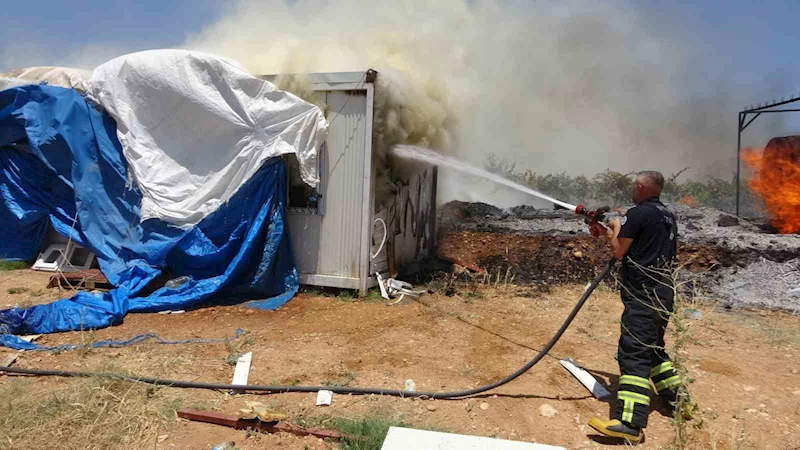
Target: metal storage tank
pixel 334 232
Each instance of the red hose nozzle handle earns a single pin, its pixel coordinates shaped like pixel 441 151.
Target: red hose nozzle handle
pixel 593 217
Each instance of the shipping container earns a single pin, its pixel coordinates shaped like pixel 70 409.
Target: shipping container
pixel 337 229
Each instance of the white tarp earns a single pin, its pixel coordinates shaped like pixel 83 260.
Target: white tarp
pixel 195 127
pixel 7 82
pixel 65 77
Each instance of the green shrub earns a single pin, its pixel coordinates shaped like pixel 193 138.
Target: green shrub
pixel 614 188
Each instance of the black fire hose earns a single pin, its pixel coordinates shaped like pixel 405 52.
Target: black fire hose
pixel 338 390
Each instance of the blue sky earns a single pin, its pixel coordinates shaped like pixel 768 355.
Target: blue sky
pixel 745 44
pixel 57 32
pixel 752 46
pixel 746 38
pixel 745 50
pixel 750 39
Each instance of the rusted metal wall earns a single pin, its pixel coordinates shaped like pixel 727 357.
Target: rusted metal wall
pixel 411 222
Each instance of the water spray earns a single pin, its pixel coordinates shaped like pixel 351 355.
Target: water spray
pixel 431 157
pixel 592 216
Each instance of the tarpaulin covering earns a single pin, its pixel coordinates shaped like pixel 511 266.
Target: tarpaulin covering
pixel 66 77
pixel 61 163
pixel 194 127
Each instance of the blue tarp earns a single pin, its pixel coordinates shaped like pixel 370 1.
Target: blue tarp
pixel 61 164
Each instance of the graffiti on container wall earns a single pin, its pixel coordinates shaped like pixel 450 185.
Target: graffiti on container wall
pixel 410 217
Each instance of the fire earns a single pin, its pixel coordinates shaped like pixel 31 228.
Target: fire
pixel 689 201
pixel 777 180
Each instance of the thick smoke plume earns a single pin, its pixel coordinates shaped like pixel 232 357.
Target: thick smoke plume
pixel 572 86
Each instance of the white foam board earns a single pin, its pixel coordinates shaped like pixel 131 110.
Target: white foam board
pixel 411 439
pixel 242 370
pixel 324 398
pixel 590 382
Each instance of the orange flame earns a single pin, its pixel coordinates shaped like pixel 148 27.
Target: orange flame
pixel 689 201
pixel 777 181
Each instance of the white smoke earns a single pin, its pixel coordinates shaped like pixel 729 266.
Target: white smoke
pixel 573 86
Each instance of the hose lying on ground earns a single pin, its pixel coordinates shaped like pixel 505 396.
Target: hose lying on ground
pixel 337 390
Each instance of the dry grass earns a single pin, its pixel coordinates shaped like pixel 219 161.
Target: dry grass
pixel 85 414
pixel 97 413
pixel 13 265
pixel 367 433
pixel 17 290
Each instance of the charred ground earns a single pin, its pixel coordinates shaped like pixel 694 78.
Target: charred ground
pixel 736 261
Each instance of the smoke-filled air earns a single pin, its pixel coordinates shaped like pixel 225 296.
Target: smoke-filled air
pixel 576 87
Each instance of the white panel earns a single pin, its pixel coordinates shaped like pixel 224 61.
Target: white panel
pixel 330 244
pixel 331 81
pixel 305 232
pixel 242 370
pixel 329 281
pixel 590 382
pixel 340 244
pixel 410 439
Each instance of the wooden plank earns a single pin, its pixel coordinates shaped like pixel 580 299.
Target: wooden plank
pixel 284 427
pixel 368 188
pixel 597 389
pixel 461 263
pixel 10 360
pixel 255 424
pixel 86 279
pixel 212 417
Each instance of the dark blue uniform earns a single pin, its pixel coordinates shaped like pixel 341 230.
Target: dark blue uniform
pixel 648 295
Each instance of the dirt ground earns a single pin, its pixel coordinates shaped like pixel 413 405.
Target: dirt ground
pixel 743 364
pixel 554 258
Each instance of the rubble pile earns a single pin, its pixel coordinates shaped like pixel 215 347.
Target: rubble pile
pixel 532 259
pixel 738 262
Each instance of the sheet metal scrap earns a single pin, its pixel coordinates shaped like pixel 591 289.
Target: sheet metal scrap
pixel 255 424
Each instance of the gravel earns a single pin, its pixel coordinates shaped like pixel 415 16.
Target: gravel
pixel 763 284
pixel 700 225
pixel 695 225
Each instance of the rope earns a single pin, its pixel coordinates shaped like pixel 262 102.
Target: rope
pixel 66 260
pixel 14 342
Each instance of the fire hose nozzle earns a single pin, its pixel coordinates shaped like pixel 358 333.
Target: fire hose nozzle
pixel 593 216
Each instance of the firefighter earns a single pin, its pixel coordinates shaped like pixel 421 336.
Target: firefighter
pixel 645 240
